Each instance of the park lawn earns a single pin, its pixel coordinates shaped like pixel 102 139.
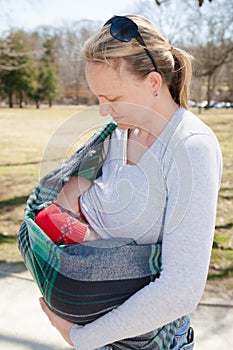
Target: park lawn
pixel 221 265
pixel 34 141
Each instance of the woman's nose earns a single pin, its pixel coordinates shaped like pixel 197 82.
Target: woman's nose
pixel 105 108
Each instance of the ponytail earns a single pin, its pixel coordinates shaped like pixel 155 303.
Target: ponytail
pixel 181 77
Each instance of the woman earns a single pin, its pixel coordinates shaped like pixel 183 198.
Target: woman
pixel 160 180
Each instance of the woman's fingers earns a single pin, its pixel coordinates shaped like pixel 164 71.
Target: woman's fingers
pixel 63 326
pixel 51 315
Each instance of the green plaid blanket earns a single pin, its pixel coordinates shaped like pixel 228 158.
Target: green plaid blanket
pixel 81 282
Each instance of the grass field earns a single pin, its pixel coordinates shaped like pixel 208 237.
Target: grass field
pixel 30 138
pixel 221 267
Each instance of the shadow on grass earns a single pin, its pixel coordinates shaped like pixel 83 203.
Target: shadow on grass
pixel 228 272
pixel 13 202
pixel 227 197
pixel 7 239
pixel 226 226
pixel 20 164
pixel 7 268
pixel 29 163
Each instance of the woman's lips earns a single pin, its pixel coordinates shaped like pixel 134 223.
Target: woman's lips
pixel 117 119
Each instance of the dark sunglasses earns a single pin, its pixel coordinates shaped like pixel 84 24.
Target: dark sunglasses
pixel 124 29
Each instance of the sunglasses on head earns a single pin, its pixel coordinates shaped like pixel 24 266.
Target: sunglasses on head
pixel 124 29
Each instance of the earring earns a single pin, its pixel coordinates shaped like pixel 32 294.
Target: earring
pixel 155 93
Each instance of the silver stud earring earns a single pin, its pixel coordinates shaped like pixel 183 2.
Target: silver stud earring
pixel 155 93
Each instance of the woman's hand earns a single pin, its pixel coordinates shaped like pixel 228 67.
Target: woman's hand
pixel 58 322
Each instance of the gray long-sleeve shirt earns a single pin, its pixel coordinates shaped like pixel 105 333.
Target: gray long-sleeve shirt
pixel 170 195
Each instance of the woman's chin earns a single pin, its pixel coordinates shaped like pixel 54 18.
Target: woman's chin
pixel 123 126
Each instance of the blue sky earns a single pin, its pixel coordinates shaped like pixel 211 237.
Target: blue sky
pixel 28 14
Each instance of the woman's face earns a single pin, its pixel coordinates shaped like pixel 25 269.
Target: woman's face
pixel 120 93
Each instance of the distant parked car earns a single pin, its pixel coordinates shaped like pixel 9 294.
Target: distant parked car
pixel 202 104
pixel 222 104
pixel 192 104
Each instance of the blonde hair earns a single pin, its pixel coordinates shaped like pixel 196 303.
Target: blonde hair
pixel 174 64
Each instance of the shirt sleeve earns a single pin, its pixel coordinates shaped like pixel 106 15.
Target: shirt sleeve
pixel 192 179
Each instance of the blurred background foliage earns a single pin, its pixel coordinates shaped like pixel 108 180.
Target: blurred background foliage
pixel 44 65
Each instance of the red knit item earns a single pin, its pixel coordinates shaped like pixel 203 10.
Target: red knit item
pixel 61 227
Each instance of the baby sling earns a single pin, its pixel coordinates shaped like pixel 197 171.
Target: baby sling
pixel 81 282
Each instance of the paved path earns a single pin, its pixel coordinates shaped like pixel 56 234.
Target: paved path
pixel 23 326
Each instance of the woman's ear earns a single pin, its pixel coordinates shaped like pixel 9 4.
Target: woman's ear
pixel 155 82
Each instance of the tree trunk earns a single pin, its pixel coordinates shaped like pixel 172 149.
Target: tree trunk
pixel 20 99
pixel 208 90
pixel 10 100
pixel 37 104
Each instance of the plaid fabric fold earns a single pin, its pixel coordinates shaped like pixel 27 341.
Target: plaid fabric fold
pixel 81 282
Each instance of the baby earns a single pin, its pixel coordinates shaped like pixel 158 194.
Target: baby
pixel 63 220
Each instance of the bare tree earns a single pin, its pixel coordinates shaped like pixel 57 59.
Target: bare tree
pixel 207 35
pixel 72 37
pixel 160 2
pixel 214 49
pixel 172 19
pixel 211 60
pixel 200 2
